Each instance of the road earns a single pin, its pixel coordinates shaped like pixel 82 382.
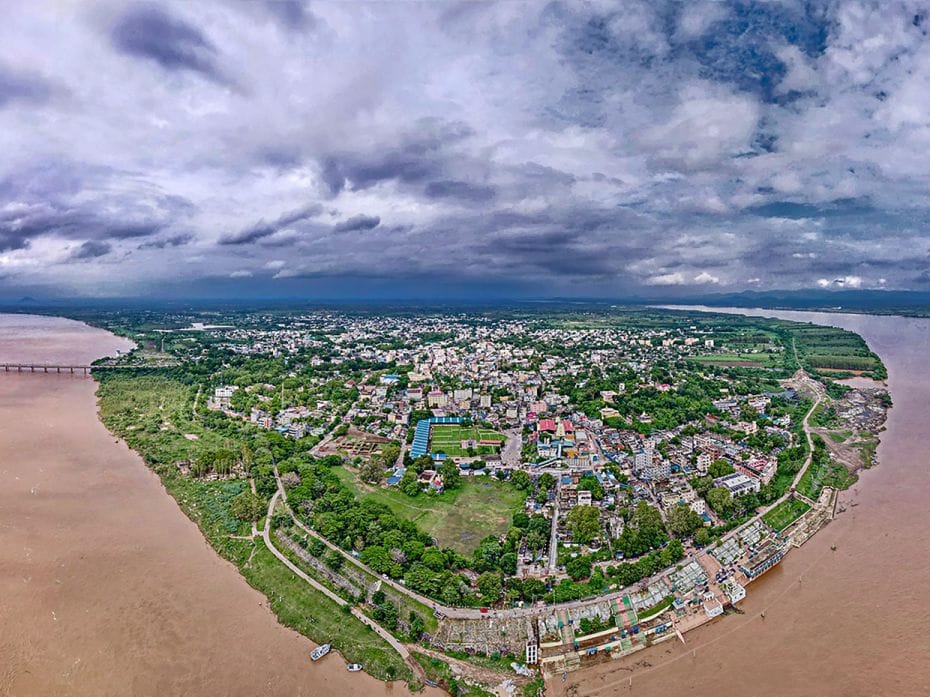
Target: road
pixel 358 614
pixel 473 613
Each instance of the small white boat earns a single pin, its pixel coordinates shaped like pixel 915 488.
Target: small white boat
pixel 319 652
pixel 354 667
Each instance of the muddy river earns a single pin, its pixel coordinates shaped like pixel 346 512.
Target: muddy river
pixel 838 623
pixel 106 587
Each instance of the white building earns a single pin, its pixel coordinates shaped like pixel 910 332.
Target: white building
pixel 738 484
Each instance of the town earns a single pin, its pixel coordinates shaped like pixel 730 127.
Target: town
pixel 554 488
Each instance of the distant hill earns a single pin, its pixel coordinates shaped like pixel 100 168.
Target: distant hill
pixel 905 302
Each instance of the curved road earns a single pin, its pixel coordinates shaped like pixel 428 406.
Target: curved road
pixel 358 614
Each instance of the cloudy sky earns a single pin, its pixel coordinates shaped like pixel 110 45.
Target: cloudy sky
pixel 224 148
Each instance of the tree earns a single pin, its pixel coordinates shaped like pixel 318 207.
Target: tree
pixel 720 500
pixel 389 454
pixel 451 477
pixel 643 532
pixel 451 593
pixel 579 567
pixel 533 589
pixel 415 625
pixel 546 481
pixel 490 585
pixel 434 559
pixel 508 563
pixel 333 560
pixel 386 614
pixel 720 468
pixel 591 484
pixel 247 506
pixel 521 520
pixel 521 480
pixel 371 471
pixel 409 484
pixel 682 521
pixel 584 523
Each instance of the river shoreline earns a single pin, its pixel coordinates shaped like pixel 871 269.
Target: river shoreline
pixel 842 615
pixel 106 587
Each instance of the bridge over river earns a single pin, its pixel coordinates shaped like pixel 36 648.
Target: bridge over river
pixel 68 368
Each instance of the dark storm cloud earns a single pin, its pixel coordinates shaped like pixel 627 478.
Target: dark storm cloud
pixel 173 241
pixel 71 223
pixel 461 190
pixel 358 222
pixel 263 229
pixel 91 250
pixel 18 86
pixel 584 147
pixel 293 14
pixel 420 156
pixel 148 31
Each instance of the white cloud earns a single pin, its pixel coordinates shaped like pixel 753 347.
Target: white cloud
pixel 705 277
pixel 667 279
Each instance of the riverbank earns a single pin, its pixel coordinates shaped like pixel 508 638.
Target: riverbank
pixel 843 621
pixel 107 588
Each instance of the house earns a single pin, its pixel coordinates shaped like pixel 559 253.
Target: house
pixel 658 470
pixel 395 478
pixel 436 399
pixel 760 467
pixel 738 484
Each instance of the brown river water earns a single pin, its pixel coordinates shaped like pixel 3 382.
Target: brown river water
pixel 106 587
pixel 841 623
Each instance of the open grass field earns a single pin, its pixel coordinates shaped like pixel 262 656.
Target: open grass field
pixel 458 519
pixel 447 438
pixel 785 513
pixel 741 360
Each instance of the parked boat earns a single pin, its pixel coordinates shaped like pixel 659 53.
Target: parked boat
pixel 319 652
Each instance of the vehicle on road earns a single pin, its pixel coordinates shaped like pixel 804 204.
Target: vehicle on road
pixel 319 652
pixel 354 667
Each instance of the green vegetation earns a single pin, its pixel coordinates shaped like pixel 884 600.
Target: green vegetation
pixel 440 673
pixel 785 513
pixel 768 359
pixel 656 609
pixel 630 572
pixel 459 518
pixel 829 349
pixel 588 625
pixel 221 509
pixel 823 471
pixel 305 609
pixel 867 449
pixel 447 438
pixel 824 416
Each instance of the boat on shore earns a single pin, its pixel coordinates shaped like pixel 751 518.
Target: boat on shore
pixel 319 652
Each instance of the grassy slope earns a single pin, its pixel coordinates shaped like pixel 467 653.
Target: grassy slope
pixel 785 513
pixel 163 405
pixel 458 519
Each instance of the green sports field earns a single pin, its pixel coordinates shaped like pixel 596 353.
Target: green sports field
pixel 447 438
